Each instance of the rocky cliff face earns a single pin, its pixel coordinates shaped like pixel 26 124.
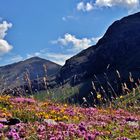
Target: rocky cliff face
pixel 118 49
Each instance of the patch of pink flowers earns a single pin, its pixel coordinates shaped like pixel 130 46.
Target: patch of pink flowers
pixel 23 100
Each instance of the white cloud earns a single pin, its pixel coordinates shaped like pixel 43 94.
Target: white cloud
pixel 131 5
pixel 75 43
pixel 39 54
pixel 5 47
pixel 85 7
pixel 3 29
pixel 66 18
pixel 58 58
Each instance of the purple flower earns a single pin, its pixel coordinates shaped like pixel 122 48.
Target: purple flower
pixel 14 135
pixel 90 137
pixel 1 125
pixel 82 127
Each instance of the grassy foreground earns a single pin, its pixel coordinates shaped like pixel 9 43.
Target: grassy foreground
pixel 44 120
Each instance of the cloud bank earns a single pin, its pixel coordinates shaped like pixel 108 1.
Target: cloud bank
pixel 5 47
pixel 89 6
pixel 85 7
pixel 123 3
pixel 74 43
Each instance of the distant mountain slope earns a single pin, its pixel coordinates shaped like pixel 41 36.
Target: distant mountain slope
pixel 14 74
pixel 118 49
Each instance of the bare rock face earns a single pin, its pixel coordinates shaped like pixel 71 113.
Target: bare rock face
pixel 118 49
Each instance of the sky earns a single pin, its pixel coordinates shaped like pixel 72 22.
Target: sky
pixel 55 29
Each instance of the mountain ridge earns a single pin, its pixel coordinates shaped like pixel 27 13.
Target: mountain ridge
pixel 31 58
pixel 117 50
pixel 14 75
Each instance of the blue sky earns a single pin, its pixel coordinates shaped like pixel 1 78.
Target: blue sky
pixel 55 30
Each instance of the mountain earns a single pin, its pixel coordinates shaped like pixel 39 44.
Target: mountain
pixel 31 70
pixel 117 50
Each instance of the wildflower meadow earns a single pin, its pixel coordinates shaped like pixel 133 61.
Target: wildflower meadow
pixel 46 120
